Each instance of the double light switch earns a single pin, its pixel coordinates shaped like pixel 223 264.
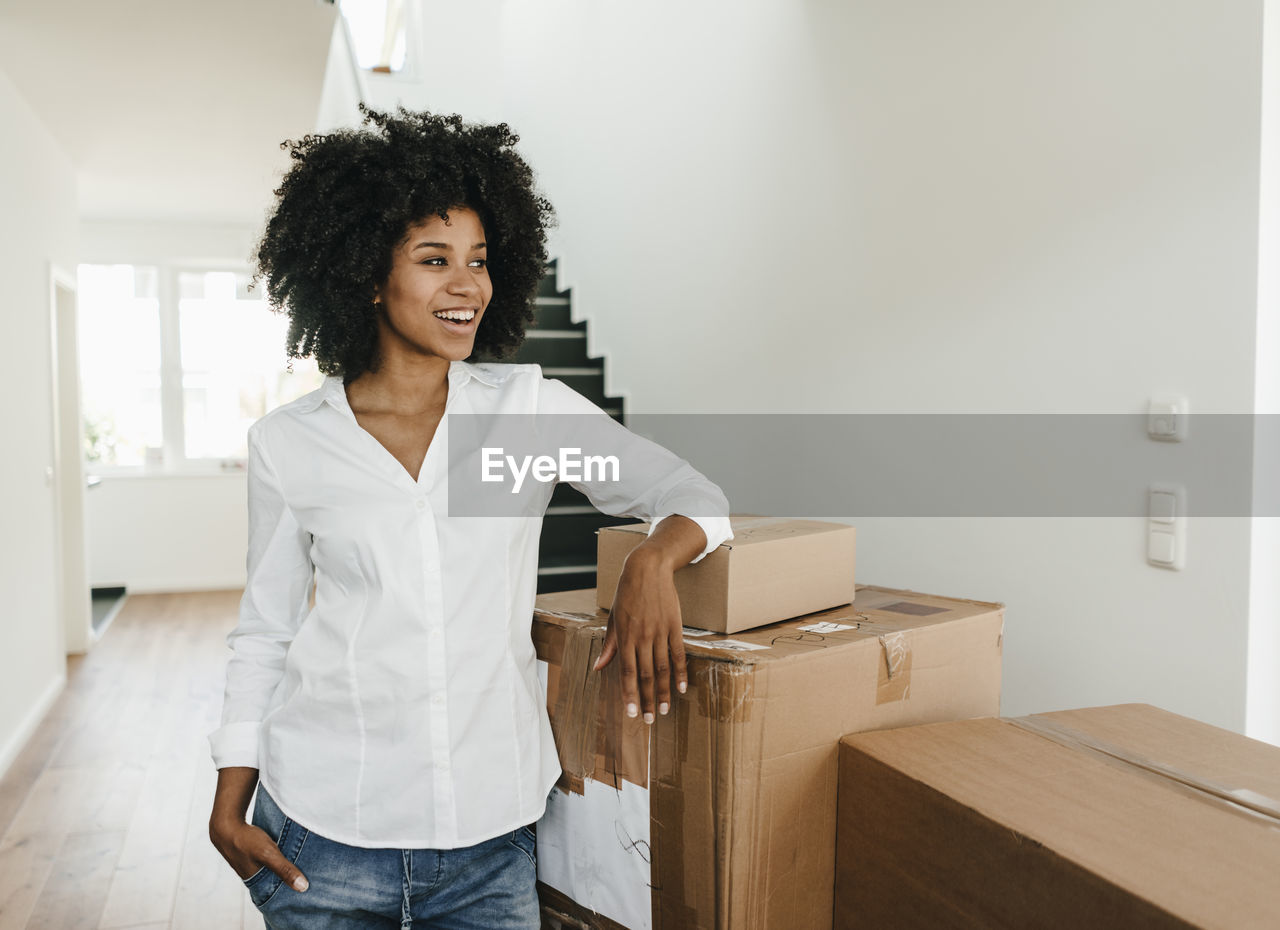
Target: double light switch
pixel 1166 526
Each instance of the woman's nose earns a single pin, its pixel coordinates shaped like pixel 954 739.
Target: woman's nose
pixel 463 281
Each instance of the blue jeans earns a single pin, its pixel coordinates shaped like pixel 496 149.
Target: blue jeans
pixel 489 886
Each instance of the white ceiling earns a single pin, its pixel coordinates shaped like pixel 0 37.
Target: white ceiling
pixel 170 109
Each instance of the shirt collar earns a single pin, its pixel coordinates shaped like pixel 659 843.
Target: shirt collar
pixel 459 374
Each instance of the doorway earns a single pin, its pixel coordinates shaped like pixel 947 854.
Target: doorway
pixel 67 472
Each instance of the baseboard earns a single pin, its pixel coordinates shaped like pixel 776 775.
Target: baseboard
pixel 20 737
pixel 184 585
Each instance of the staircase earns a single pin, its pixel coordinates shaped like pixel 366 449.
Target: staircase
pixel 567 549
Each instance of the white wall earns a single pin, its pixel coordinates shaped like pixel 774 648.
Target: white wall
pixel 38 203
pixel 880 206
pixel 1264 596
pixel 168 532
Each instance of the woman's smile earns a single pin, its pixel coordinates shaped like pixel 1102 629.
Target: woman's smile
pixel 460 321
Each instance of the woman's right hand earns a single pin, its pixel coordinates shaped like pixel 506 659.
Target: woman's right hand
pixel 245 847
pixel 248 848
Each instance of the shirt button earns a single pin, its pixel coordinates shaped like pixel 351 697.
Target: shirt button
pixel 434 632
pixel 442 766
pixel 420 504
pixel 437 698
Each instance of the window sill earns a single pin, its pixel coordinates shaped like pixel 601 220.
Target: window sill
pixel 195 471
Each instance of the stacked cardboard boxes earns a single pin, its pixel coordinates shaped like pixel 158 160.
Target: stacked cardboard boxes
pixel 722 814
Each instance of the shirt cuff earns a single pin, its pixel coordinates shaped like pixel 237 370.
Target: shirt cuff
pixel 717 530
pixel 235 744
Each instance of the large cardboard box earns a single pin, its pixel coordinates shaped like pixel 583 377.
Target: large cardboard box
pixel 774 568
pixel 722 814
pixel 1125 816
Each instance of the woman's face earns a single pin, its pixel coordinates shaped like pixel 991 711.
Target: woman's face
pixel 438 287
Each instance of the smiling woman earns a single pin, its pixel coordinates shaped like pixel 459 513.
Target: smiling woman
pixel 398 715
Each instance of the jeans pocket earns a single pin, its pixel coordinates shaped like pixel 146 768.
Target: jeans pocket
pixel 525 840
pixel 264 883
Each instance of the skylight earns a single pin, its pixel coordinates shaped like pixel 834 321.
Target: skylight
pixel 377 32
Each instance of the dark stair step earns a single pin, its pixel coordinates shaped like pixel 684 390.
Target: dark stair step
pixel 566 495
pixel 570 580
pixel 553 313
pixel 587 381
pixel 547 283
pixel 571 534
pixel 567 547
pixel 563 348
pixel 564 575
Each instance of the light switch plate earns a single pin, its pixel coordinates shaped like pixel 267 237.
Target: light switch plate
pixel 1166 526
pixel 1167 418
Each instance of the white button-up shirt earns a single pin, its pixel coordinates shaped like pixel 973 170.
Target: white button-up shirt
pixel 404 709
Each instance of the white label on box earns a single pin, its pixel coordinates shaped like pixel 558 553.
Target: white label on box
pixel 825 627
pixel 736 645
pixel 696 631
pixel 594 847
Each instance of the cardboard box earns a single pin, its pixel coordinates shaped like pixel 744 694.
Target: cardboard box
pixel 773 569
pixel 722 814
pixel 1124 816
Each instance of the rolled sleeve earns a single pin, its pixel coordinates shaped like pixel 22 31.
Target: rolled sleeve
pixel 652 482
pixel 274 604
pixel 716 529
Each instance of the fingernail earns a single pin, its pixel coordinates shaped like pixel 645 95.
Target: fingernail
pixel 300 883
pixel 631 710
pixel 663 708
pixel 648 718
pixel 682 686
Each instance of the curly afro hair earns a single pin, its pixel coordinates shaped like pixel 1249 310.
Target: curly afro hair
pixel 348 201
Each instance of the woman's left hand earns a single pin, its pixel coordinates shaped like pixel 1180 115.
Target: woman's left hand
pixel 646 633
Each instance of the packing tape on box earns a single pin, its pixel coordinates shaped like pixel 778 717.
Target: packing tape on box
pixel 893 678
pixel 893 682
pixel 577 699
pixel 1242 801
pixel 724 689
pixel 594 738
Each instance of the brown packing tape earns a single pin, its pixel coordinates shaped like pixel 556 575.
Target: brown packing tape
pixel 622 742
pixel 594 737
pixel 574 716
pixel 1241 801
pixel 724 689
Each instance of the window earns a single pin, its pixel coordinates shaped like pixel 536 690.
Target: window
pixel 176 364
pixel 119 323
pixel 377 29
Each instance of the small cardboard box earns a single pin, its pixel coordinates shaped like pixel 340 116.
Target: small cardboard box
pixel 1122 816
pixel 773 569
pixel 722 814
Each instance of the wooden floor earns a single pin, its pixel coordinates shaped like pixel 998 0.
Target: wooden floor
pixel 104 817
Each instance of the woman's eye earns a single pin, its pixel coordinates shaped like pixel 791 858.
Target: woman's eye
pixel 481 263
pixel 434 261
